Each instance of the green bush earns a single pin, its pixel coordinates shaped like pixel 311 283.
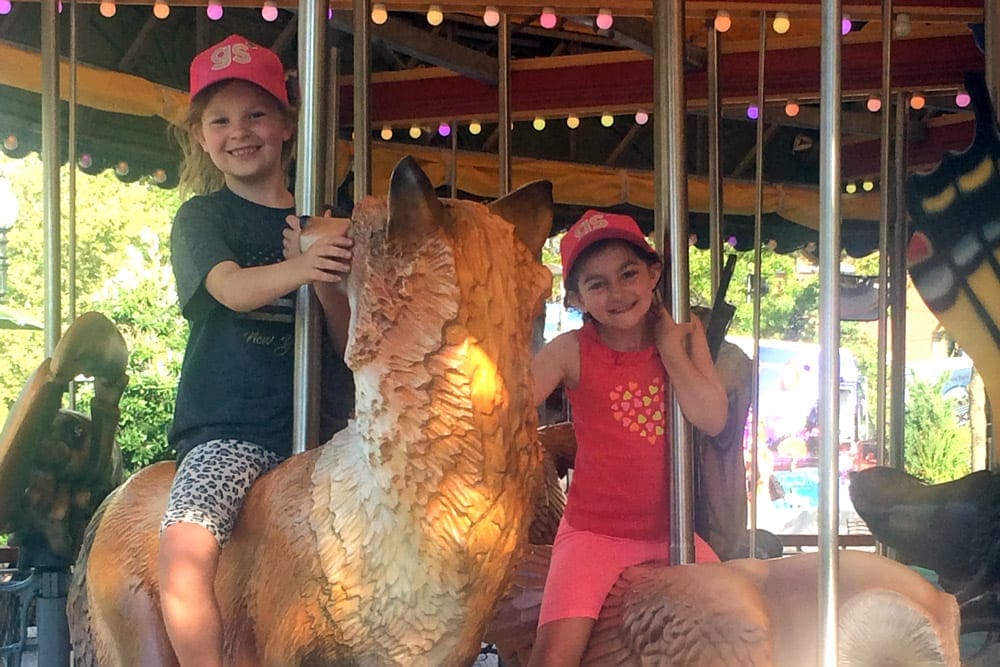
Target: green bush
pixel 936 448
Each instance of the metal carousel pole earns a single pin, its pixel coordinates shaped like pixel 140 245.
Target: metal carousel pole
pixel 829 327
pixel 309 185
pixel 671 209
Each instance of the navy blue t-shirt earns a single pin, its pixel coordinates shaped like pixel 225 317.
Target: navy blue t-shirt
pixel 236 378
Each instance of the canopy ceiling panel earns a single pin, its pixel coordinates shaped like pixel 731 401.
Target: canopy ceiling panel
pixel 133 68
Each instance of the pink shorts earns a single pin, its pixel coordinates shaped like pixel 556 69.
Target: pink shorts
pixel 586 565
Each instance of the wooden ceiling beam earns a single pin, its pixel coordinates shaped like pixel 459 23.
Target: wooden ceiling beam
pixel 427 47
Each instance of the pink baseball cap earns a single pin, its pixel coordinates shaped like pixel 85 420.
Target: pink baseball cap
pixel 594 226
pixel 236 57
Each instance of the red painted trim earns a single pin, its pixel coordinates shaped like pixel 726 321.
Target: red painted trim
pixel 594 88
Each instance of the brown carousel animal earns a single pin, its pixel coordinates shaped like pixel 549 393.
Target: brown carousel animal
pixel 391 543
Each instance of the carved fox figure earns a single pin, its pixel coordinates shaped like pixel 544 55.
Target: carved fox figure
pixel 391 543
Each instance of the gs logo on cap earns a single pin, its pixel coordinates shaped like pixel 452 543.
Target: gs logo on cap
pixel 226 55
pixel 593 223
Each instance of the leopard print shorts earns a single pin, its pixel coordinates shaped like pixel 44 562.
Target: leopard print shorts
pixel 212 482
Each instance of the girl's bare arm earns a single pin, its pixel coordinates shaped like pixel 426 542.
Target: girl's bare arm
pixel 684 351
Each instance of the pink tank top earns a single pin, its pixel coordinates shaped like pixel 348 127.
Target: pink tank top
pixel 620 481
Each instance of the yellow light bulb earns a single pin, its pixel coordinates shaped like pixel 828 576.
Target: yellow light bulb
pixel 161 9
pixel 379 13
pixel 781 23
pixel 538 123
pixel 386 133
pixel 435 16
pixel 415 132
pixel 475 127
pixel 572 122
pixel 607 120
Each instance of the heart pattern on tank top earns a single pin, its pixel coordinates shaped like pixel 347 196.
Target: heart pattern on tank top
pixel 639 408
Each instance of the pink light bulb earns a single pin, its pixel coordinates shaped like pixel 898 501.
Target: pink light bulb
pixel 962 99
pixel 214 11
pixel 548 18
pixel 604 19
pixel 753 111
pixel 5 6
pixel 491 16
pixel 845 25
pixel 444 129
pixel 269 12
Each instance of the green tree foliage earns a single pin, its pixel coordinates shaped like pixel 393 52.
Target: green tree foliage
pixel 936 449
pixel 789 306
pixel 123 272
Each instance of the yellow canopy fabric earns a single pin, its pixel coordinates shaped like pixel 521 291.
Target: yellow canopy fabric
pixel 601 187
pixel 96 88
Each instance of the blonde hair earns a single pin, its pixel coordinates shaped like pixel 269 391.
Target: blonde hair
pixel 199 175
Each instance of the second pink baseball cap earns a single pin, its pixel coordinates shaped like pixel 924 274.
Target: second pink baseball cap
pixel 594 226
pixel 237 57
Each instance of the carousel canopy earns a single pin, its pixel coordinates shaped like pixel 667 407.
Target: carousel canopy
pixel 581 89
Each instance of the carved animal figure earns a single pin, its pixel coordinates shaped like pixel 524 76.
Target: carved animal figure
pixel 390 543
pixel 954 249
pixel 746 612
pixel 56 465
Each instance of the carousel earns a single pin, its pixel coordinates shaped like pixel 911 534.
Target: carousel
pixel 463 136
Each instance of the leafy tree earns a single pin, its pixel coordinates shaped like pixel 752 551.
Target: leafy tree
pixel 936 450
pixel 122 272
pixel 789 306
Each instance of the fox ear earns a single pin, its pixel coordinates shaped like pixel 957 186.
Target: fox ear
pixel 414 209
pixel 529 209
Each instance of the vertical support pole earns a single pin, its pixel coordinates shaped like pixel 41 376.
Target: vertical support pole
pixel 309 181
pixel 362 86
pixel 671 208
pixel 897 292
pixel 503 100
pixel 991 24
pixel 71 180
pixel 758 225
pixel 50 172
pixel 715 187
pixel 453 165
pixel 50 616
pixel 886 205
pixel 829 328
pixel 332 125
pixel 886 210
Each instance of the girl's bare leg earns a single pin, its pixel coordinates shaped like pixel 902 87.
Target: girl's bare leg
pixel 189 557
pixel 561 643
